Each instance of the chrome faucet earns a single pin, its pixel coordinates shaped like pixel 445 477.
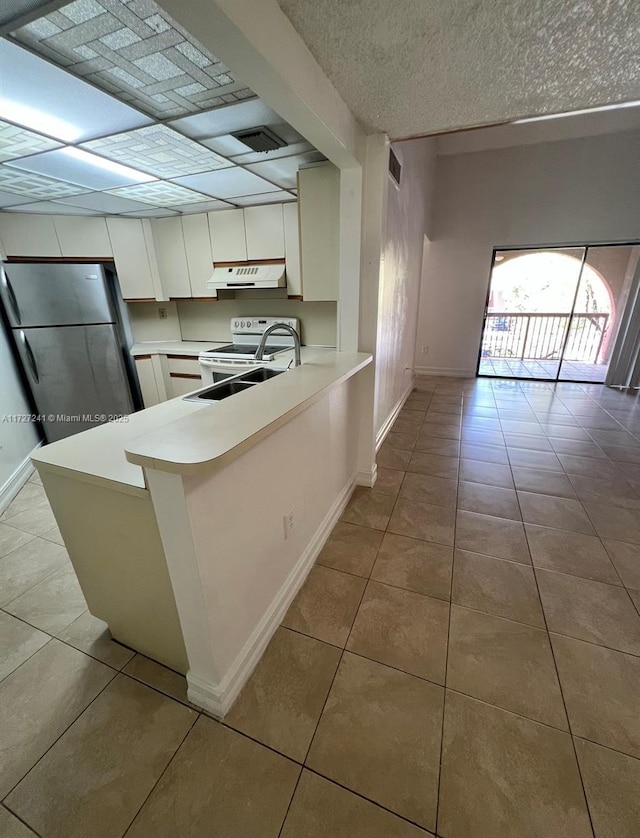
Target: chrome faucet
pixel 270 330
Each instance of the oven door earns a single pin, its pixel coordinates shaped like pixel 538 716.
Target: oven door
pixel 214 369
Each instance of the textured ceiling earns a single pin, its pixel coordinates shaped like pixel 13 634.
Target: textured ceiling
pixel 415 67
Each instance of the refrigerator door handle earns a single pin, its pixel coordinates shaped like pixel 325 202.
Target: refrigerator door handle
pixel 30 356
pixel 11 296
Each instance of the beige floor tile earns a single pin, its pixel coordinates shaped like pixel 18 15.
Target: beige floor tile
pixel 159 677
pixel 449 431
pixel 614 522
pixel 18 641
pixel 527 442
pixel 488 500
pixel 35 478
pixel 635 596
pixel 601 689
pixel 281 703
pixel 626 558
pixel 423 520
pixel 590 611
pixel 404 441
pixel 613 492
pixel 27 565
pixel 523 458
pixel 570 552
pixel 504 663
pixel 36 520
pixel 395 458
pixel 489 474
pixel 369 508
pixel 415 565
pixel 379 735
pixel 505 776
pixel 219 784
pixel 320 809
pixel 561 513
pixel 543 482
pixel 505 589
pixel 484 453
pixel 436 445
pixel 99 773
pixel 11 827
pixel 423 487
pixel 52 604
pixel 54 534
pixel 92 636
pixel 11 539
pixel 29 496
pixel 409 423
pixel 587 466
pixel 555 431
pixel 389 480
pixel 611 781
pixel 474 437
pixel 580 448
pixel 39 700
pixel 402 629
pixel 326 605
pixel 520 426
pixel 351 548
pixel 434 464
pixel 492 536
pixel 623 453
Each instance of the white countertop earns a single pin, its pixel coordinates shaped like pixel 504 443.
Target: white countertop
pixel 185 437
pixel 177 347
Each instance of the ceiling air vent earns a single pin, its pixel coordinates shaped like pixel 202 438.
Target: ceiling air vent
pixel 395 167
pixel 259 139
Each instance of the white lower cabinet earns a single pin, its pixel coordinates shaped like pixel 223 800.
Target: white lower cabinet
pixel 182 375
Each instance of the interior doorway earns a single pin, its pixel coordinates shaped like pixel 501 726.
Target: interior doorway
pixel 552 313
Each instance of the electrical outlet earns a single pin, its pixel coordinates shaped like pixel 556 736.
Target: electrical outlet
pixel 425 350
pixel 289 523
pixel 162 313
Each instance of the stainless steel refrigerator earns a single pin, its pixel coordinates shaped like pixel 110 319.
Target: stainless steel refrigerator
pixel 66 333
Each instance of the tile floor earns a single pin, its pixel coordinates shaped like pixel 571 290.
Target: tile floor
pixel 534 368
pixel 462 661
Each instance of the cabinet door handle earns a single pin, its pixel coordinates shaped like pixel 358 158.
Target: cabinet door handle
pixel 11 297
pixel 31 358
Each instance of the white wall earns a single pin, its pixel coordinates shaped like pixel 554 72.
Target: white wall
pixel 573 191
pixel 17 439
pixel 408 219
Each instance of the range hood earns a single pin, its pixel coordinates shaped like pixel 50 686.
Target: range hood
pixel 256 275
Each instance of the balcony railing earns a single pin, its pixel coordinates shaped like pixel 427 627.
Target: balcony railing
pixel 542 336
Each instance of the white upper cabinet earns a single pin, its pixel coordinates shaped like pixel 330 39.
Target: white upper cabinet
pixel 197 245
pixel 173 269
pixel 264 229
pixel 319 199
pixel 228 240
pixel 134 264
pixel 23 234
pixel 292 249
pixel 82 237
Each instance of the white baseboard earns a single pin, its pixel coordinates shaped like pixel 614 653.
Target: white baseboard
pixel 367 478
pixel 391 418
pixel 455 372
pixel 13 485
pixel 217 699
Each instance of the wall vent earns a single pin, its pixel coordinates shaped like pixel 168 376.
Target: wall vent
pixel 259 139
pixel 395 167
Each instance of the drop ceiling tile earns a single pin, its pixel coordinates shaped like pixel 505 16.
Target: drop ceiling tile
pixel 283 171
pixel 18 142
pixel 135 51
pixel 103 202
pixel 82 168
pixel 204 206
pixel 160 193
pixel 269 198
pixel 10 12
pixel 227 145
pixel 235 117
pixel 52 208
pixel 9 199
pixel 151 212
pixel 34 185
pixel 261 156
pixel 227 183
pixel 45 98
pixel 158 150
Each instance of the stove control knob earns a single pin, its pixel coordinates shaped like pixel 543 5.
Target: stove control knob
pixel 235 324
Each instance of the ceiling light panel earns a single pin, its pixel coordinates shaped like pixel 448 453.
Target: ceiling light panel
pixel 227 183
pixel 35 185
pixel 160 193
pixel 160 151
pixel 18 142
pixel 42 97
pixel 82 168
pixel 284 171
pixel 134 50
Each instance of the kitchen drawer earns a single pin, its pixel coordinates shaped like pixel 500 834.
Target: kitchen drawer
pixel 183 364
pixel 182 383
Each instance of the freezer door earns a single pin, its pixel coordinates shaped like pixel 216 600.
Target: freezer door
pixel 76 375
pixel 50 294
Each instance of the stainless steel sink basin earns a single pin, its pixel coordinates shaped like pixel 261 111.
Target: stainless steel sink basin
pixel 232 386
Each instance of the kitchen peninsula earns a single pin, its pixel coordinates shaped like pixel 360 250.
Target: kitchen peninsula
pixel 192 527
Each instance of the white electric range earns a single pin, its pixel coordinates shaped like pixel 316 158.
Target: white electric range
pixel 239 355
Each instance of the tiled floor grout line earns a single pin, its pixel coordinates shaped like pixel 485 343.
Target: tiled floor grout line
pixel 17 817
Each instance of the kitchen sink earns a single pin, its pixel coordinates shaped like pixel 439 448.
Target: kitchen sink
pixel 236 384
